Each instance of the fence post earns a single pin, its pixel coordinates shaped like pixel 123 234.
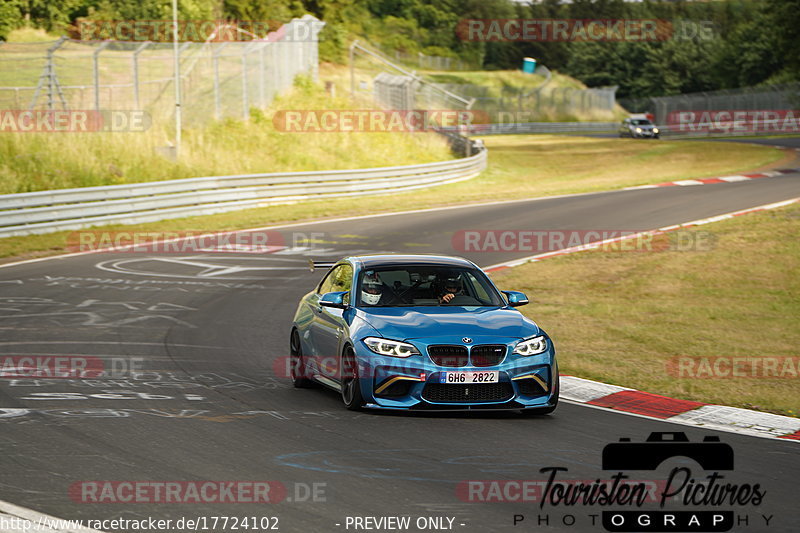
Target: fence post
pixel 49 77
pixel 273 60
pixel 352 69
pixel 215 62
pixel 245 107
pixel 136 71
pixel 261 75
pixel 96 72
pixel 245 81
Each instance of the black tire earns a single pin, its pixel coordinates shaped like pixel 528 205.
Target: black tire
pixel 298 364
pixel 351 383
pixel 549 409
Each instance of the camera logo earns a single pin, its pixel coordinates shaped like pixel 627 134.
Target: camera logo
pixel 711 454
pixel 681 502
pixel 681 486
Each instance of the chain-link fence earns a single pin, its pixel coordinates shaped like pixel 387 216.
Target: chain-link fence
pixel 427 62
pixel 392 85
pixel 396 87
pixel 218 79
pixel 750 110
pixel 545 103
pixel 549 103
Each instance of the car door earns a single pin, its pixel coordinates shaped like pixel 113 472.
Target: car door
pixel 328 326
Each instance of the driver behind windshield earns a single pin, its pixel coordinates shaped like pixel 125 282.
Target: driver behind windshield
pixel 371 289
pixel 452 286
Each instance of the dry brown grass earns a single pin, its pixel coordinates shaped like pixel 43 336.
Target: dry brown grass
pixel 620 317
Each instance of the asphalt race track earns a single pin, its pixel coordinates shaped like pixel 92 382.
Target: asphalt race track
pixel 206 334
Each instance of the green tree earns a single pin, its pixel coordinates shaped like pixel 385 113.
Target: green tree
pixel 52 16
pixel 10 18
pixel 785 23
pixel 748 56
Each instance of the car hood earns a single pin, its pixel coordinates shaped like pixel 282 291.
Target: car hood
pixel 404 323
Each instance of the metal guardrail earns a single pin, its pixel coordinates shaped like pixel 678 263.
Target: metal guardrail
pixel 665 130
pixel 69 209
pixel 543 127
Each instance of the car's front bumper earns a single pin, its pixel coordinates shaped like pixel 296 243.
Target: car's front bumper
pixel 414 383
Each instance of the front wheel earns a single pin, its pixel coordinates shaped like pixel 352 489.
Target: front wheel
pixel 351 383
pixel 297 363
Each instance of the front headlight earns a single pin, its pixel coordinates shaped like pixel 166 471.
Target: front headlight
pixel 532 346
pixel 655 130
pixel 638 130
pixel 390 347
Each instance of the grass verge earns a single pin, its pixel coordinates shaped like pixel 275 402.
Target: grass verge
pixel 542 102
pixel 41 161
pixel 622 317
pixel 520 167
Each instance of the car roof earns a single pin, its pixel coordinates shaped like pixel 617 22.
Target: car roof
pixel 381 260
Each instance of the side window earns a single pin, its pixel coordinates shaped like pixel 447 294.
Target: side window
pixel 327 283
pixel 343 278
pixel 480 290
pixel 338 279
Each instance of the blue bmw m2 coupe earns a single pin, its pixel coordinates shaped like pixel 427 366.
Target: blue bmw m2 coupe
pixel 421 332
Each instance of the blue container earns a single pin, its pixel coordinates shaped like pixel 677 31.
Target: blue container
pixel 529 65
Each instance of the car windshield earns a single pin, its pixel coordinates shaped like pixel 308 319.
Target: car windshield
pixel 641 122
pixel 426 286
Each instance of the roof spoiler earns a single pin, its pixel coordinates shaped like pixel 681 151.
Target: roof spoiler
pixel 319 264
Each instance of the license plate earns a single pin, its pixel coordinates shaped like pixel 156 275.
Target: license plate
pixel 458 378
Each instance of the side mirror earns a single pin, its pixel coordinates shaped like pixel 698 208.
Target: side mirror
pixel 516 298
pixel 333 299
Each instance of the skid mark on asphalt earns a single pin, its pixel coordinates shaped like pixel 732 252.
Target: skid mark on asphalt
pixel 229 267
pixel 24 414
pixel 110 313
pixel 415 464
pixel 144 285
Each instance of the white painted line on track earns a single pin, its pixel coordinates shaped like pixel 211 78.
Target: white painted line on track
pixel 596 244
